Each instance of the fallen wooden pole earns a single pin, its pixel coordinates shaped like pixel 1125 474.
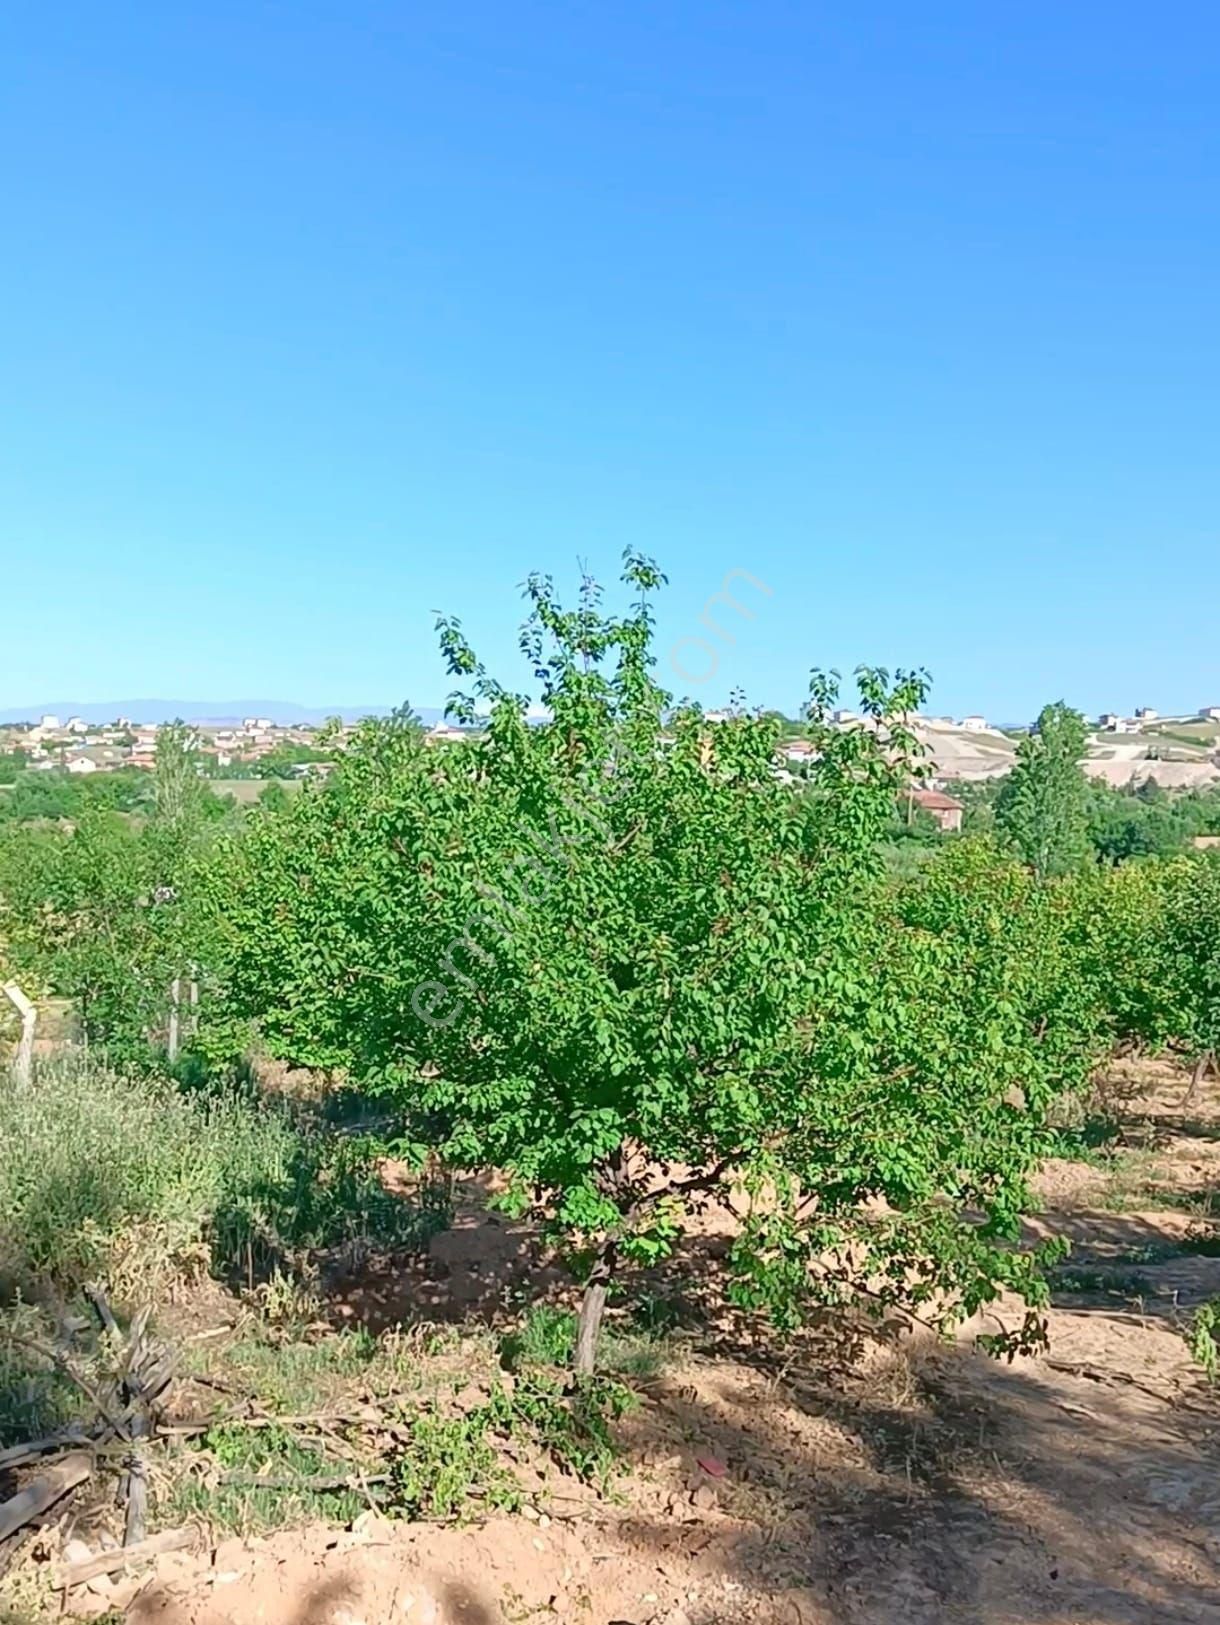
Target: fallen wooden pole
pixel 169 1540
pixel 35 1498
pixel 340 1481
pixel 18 1454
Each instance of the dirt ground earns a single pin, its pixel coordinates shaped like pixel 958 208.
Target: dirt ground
pixel 851 1483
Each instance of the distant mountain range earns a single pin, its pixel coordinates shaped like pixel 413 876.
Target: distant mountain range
pixel 284 712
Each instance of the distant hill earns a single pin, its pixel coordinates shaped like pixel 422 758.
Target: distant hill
pixel 285 712
pixel 965 753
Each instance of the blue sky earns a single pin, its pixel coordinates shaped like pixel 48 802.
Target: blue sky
pixel 319 317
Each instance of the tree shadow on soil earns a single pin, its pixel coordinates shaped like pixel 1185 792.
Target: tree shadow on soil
pixel 943 1488
pixel 465 1606
pixel 980 1494
pixel 481 1268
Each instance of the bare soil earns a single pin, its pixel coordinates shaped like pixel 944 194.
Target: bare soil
pixel 846 1479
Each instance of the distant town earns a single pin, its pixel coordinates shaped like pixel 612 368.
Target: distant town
pixel 1180 751
pixel 224 749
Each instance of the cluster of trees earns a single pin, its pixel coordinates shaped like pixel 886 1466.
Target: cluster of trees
pixel 1120 825
pixel 281 762
pixel 56 794
pixel 617 959
pixel 99 901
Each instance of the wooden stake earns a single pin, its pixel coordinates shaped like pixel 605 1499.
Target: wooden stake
pixel 175 1000
pixel 23 1060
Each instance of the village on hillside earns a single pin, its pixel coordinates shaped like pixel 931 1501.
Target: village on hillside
pixel 1177 752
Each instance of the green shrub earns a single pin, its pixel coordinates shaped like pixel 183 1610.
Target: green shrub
pixel 576 1429
pixel 452 1461
pixel 36 1395
pixel 449 1462
pixel 131 1181
pixel 1203 1337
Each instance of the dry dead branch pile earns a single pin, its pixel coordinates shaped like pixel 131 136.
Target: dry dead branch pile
pixel 126 1412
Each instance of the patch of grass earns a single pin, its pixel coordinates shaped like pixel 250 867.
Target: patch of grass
pixel 138 1185
pixel 1203 1240
pixel 1198 735
pixel 442 1466
pixel 575 1428
pixel 451 1461
pixel 221 1485
pixel 1091 1140
pixel 131 1181
pixel 1203 1337
pixel 36 1396
pixel 1134 1185
pixel 302 1374
pixel 572 1418
pixel 1082 1126
pixel 545 1337
pixel 547 1334
pixel 1131 1182
pixel 1154 1252
pixel 307 1369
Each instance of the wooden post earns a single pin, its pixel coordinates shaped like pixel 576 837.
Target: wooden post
pixel 175 1001
pixel 23 1060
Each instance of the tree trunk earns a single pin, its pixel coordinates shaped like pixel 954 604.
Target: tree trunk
pixel 593 1307
pixel 1202 1066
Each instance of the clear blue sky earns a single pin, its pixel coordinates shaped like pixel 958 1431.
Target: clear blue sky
pixel 319 317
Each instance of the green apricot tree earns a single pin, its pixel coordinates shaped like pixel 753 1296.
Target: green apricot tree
pixel 617 957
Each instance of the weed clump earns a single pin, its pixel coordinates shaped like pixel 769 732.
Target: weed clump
pixel 133 1182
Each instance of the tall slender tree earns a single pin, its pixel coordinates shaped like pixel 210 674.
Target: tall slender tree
pixel 1043 806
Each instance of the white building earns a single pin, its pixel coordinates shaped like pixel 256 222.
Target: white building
pixel 1111 723
pixel 82 764
pixel 974 725
pixel 1145 713
pixel 1210 713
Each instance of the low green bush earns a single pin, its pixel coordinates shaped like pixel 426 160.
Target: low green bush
pixel 130 1181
